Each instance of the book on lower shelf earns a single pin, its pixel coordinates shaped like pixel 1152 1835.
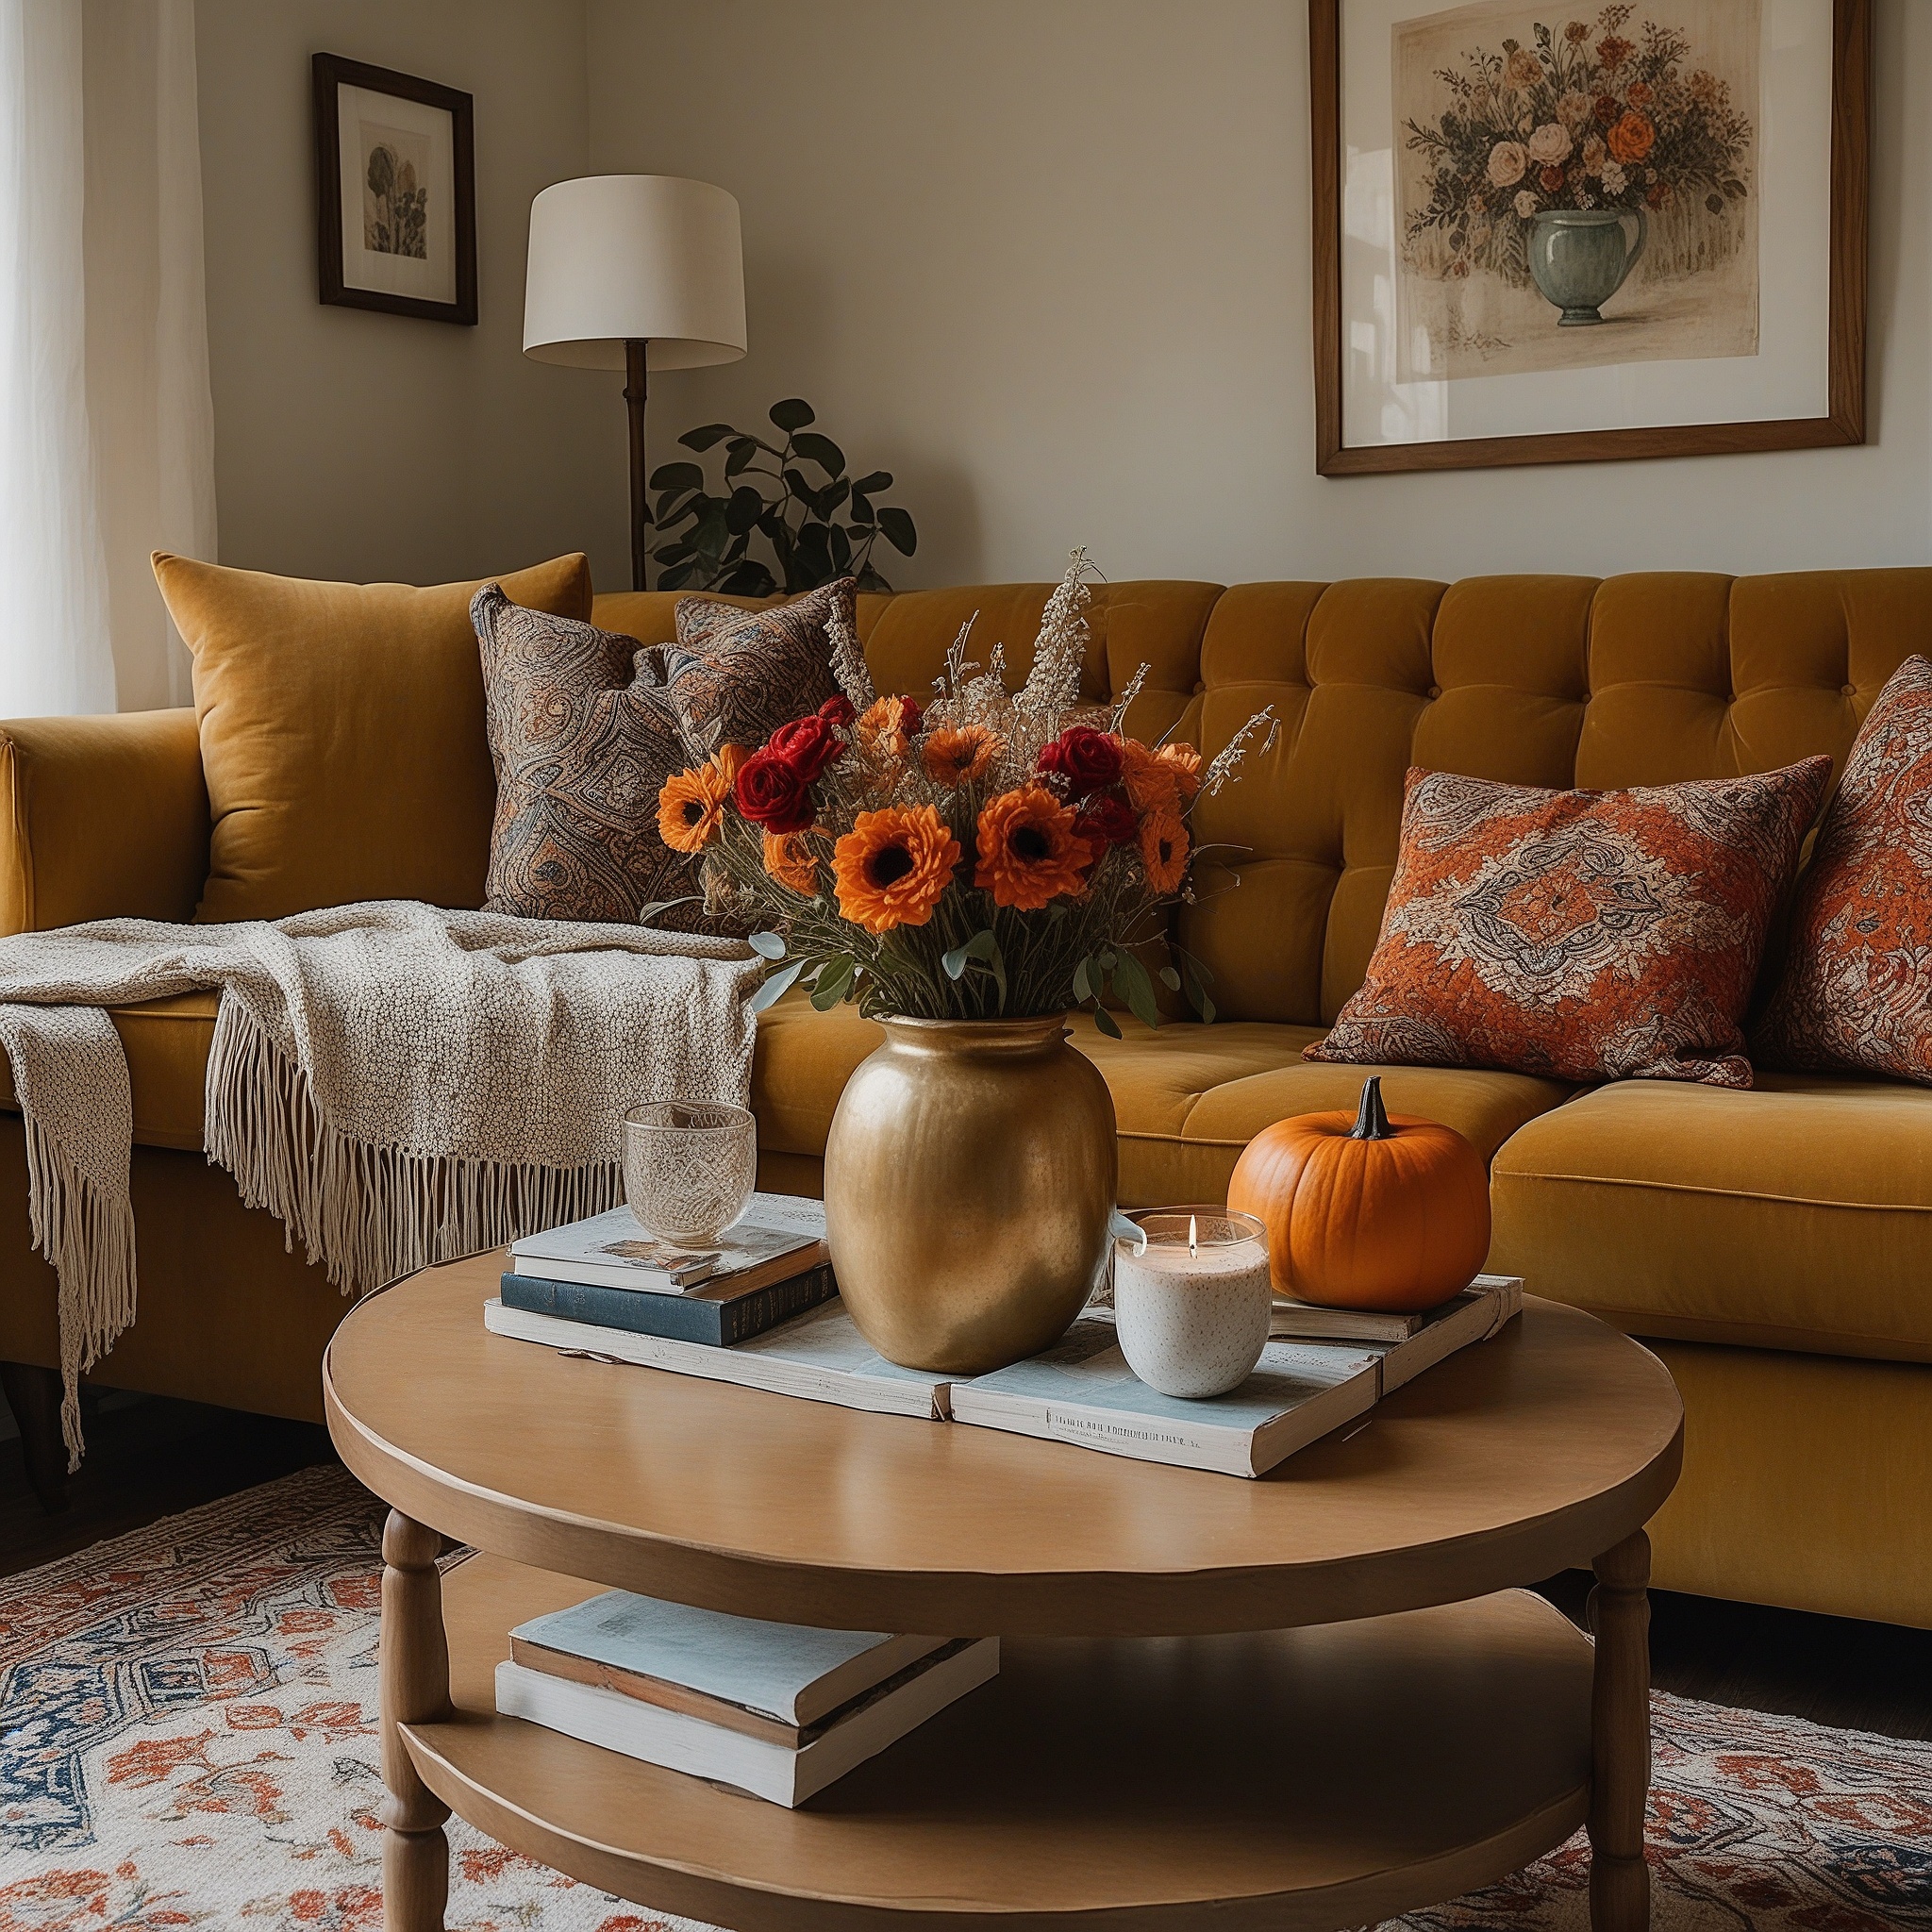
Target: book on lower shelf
pixel 779 1710
pixel 819 1356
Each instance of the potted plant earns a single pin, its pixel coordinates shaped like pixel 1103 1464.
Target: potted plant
pixel 967 870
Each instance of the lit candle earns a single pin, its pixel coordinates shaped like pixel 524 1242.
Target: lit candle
pixel 1192 1299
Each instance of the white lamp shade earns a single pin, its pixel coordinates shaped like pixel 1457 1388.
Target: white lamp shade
pixel 624 257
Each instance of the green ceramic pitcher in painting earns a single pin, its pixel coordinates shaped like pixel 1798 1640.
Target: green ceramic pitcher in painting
pixel 1579 256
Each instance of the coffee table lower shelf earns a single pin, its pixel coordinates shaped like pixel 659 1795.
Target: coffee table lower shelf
pixel 1323 1777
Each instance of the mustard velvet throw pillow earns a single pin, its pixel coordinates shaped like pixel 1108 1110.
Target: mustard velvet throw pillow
pixel 342 733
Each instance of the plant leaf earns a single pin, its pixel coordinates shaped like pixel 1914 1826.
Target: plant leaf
pixel 744 510
pixel 1083 984
pixel 1171 979
pixel 821 450
pixel 954 962
pixel 898 530
pixel 793 414
pixel 706 435
pixel 869 579
pixel 769 945
pixel 833 981
pixel 860 511
pixel 750 579
pixel 677 476
pixel 1106 1023
pixel 647 913
pixel 681 575
pixel 1131 982
pixel 775 987
pixel 875 481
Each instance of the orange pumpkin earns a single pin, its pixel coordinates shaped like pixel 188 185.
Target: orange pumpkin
pixel 1378 1212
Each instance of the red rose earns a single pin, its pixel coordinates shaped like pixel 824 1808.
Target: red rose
pixel 773 792
pixel 1108 820
pixel 837 711
pixel 1552 180
pixel 809 744
pixel 911 717
pixel 1088 759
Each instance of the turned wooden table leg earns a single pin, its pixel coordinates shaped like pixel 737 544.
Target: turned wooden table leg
pixel 415 1687
pixel 1620 1738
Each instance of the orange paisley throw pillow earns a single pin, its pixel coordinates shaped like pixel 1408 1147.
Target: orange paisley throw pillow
pixel 1578 935
pixel 1857 987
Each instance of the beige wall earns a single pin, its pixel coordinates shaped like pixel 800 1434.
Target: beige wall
pixel 358 445
pixel 1048 260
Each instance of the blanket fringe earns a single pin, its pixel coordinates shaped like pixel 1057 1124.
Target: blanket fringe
pixel 88 1235
pixel 371 1214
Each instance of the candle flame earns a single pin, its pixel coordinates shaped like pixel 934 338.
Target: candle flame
pixel 1193 1248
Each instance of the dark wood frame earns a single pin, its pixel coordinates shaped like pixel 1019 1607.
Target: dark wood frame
pixel 333 70
pixel 1845 419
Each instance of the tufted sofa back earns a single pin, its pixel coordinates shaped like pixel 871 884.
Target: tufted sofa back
pixel 1645 679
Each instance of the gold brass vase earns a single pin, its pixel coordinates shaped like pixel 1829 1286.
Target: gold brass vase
pixel 968 1176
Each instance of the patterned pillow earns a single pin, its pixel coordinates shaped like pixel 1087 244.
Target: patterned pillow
pixel 1855 990
pixel 1578 935
pixel 585 727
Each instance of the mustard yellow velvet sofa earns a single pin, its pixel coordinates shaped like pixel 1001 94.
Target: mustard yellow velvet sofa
pixel 1771 1245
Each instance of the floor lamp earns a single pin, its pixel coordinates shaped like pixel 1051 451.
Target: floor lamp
pixel 637 273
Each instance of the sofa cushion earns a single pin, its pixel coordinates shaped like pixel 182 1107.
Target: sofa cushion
pixel 1856 990
pixel 1797 1215
pixel 1580 935
pixel 342 733
pixel 1188 1097
pixel 167 1046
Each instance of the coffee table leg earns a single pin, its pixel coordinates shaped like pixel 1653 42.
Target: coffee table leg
pixel 415 1687
pixel 1620 1737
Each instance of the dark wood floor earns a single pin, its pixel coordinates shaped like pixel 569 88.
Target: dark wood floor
pixel 156 1457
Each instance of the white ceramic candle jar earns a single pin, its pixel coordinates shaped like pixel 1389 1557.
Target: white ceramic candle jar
pixel 1192 1300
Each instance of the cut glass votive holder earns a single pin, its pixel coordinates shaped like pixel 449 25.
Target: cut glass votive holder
pixel 690 1167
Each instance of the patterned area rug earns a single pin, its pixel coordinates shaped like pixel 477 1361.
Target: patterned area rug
pixel 188 1738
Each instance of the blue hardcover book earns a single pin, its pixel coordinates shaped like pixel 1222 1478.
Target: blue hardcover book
pixel 726 1315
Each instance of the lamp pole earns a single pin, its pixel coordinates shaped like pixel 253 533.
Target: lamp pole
pixel 635 386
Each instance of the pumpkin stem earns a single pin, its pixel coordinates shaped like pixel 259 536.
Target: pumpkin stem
pixel 1371 1121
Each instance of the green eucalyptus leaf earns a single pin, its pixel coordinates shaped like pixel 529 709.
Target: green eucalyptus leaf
pixel 1131 981
pixel 1106 1023
pixel 1169 977
pixel 1082 983
pixel 769 945
pixel 953 961
pixel 793 414
pixel 775 987
pixel 833 981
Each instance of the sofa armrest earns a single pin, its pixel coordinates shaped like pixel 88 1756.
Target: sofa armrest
pixel 101 818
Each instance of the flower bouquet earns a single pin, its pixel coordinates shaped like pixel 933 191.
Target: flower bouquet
pixel 980 855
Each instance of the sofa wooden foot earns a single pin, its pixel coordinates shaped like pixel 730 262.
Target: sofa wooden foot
pixel 33 1393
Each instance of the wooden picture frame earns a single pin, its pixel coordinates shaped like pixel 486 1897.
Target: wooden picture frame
pixel 1840 421
pixel 411 249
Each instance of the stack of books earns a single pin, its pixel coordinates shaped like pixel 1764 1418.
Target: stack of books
pixel 779 1710
pixel 1322 1369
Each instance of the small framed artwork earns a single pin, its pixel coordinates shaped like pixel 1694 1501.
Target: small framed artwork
pixel 1554 231
pixel 395 175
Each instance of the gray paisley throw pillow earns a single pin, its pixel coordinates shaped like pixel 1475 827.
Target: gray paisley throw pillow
pixel 586 725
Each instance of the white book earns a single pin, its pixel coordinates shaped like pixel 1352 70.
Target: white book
pixel 820 1355
pixel 612 1250
pixel 794 1673
pixel 1312 1322
pixel 1082 1390
pixel 1481 1310
pixel 782 1774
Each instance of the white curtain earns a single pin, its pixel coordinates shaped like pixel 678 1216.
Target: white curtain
pixel 105 424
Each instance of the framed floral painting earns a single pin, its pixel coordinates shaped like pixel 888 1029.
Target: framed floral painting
pixel 395 182
pixel 1566 233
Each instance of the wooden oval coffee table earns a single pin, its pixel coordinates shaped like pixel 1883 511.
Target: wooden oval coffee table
pixel 1308 1702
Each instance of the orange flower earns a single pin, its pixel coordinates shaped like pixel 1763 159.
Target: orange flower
pixel 727 759
pixel 957 755
pixel 792 863
pixel 892 867
pixel 1632 139
pixel 1152 782
pixel 1164 851
pixel 1029 852
pixel 1185 763
pixel 886 726
pixel 690 808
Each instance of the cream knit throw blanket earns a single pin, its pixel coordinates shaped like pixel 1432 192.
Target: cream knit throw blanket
pixel 396 1083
